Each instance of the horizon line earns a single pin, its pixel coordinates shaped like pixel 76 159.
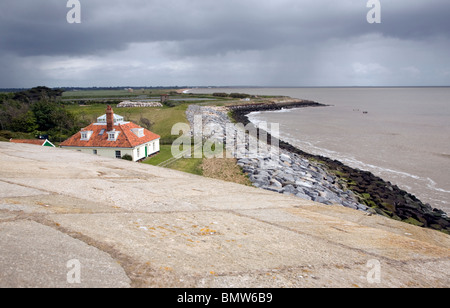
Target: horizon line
pixel 219 86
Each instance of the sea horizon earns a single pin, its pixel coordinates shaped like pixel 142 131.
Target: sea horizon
pixel 6 89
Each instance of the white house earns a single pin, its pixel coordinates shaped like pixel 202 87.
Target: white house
pixel 112 137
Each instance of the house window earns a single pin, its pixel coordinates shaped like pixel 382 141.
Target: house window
pixel 94 152
pixel 138 152
pixel 118 154
pixel 112 136
pixel 86 135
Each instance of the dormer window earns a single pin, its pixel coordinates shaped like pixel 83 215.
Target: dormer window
pixel 139 132
pixel 112 135
pixel 86 135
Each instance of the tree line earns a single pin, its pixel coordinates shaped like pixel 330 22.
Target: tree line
pixel 37 111
pixel 232 95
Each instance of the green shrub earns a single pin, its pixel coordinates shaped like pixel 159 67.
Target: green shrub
pixel 127 157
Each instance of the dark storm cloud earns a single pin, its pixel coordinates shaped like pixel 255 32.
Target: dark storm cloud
pixel 282 35
pixel 40 27
pixel 205 27
pixel 416 20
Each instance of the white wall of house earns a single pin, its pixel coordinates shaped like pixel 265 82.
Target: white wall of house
pixel 105 152
pixel 136 153
pixel 112 152
pixel 139 152
pixel 153 147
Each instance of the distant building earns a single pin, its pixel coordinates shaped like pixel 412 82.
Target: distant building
pixel 40 142
pixel 111 136
pixel 128 104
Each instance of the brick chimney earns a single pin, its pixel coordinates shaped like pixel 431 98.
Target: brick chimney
pixel 109 119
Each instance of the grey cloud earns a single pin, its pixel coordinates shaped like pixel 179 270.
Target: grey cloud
pixel 204 26
pixel 290 39
pixel 415 20
pixel 38 29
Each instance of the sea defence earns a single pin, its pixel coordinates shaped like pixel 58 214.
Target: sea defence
pixel 69 219
pixel 381 196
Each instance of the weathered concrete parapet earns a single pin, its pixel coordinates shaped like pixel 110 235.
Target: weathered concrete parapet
pixel 143 226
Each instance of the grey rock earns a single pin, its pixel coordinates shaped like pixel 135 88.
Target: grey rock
pixel 304 184
pixel 262 173
pixel 320 199
pixel 275 189
pixel 285 158
pixel 260 180
pixel 275 183
pixel 290 189
pixel 287 177
pixel 362 207
pixel 312 194
pixel 303 196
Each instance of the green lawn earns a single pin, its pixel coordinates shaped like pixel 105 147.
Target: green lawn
pixel 190 165
pixel 164 155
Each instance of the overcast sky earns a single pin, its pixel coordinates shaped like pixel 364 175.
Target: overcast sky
pixel 224 43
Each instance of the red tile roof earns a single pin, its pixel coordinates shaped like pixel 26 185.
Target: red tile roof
pixel 126 138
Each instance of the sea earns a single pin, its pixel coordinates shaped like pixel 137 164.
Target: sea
pixel 399 134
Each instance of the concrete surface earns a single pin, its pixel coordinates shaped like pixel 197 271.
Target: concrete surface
pixel 134 225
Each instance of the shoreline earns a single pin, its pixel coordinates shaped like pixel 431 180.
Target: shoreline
pixel 271 168
pixel 382 196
